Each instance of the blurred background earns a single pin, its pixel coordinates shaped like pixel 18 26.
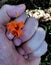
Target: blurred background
pixel 41 10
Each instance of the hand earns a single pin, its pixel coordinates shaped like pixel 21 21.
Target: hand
pixel 32 41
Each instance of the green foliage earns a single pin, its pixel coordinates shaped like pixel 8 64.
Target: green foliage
pixel 41 3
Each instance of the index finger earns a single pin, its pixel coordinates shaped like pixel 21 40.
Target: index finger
pixel 10 11
pixel 15 11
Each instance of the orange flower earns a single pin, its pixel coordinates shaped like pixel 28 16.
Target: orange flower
pixel 15 28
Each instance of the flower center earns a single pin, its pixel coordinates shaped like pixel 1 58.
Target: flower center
pixel 15 28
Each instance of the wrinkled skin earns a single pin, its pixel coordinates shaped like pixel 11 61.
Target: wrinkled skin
pixel 8 53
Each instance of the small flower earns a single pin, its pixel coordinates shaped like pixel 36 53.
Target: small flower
pixel 15 28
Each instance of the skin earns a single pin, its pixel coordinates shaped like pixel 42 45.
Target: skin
pixel 8 53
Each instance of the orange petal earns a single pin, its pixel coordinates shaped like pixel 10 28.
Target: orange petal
pixel 21 25
pixel 14 32
pixel 19 33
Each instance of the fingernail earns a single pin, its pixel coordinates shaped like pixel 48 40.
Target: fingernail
pixel 17 41
pixel 26 56
pixel 9 35
pixel 21 51
pixel 26 48
pixel 29 29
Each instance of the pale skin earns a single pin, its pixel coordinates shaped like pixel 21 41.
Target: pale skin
pixel 8 53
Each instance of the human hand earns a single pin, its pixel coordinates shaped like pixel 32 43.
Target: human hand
pixel 32 34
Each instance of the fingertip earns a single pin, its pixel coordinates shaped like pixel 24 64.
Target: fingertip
pixel 17 41
pixel 9 35
pixel 15 11
pixel 41 50
pixel 21 51
pixel 26 57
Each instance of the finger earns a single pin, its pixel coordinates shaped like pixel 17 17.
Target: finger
pixel 14 11
pixel 26 57
pixel 32 60
pixel 35 42
pixel 17 41
pixel 9 35
pixel 23 18
pixel 21 51
pixel 41 50
pixel 9 11
pixel 36 61
pixel 29 29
